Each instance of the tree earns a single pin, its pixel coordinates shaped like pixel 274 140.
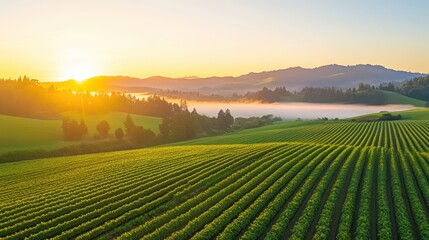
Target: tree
pixel 103 128
pixel 119 134
pixel 225 119
pixel 220 118
pixel 72 130
pixel 181 125
pixel 164 128
pixel 229 119
pixel 144 136
pixel 129 125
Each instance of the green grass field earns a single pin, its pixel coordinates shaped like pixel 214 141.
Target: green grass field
pixel 290 180
pixel 18 133
pixel 415 114
pixel 396 98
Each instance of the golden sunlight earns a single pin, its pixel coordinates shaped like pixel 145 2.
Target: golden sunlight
pixel 78 62
pixel 79 72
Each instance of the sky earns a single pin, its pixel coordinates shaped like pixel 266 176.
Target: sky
pixel 63 39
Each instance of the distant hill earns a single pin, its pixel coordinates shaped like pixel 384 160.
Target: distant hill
pixel 292 78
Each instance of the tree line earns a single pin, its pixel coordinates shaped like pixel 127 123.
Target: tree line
pixel 25 97
pixel 416 88
pixel 363 94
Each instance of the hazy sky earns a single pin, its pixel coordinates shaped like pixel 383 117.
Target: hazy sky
pixel 57 40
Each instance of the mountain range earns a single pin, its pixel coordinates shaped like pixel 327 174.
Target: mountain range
pixel 293 78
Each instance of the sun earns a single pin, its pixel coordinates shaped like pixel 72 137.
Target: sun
pixel 79 72
pixel 77 62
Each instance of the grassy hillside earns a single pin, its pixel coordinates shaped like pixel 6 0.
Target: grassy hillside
pixel 396 98
pixel 415 114
pixel 303 179
pixel 18 133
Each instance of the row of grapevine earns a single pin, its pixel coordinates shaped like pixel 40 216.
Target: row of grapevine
pixel 346 133
pixel 336 179
pixel 199 204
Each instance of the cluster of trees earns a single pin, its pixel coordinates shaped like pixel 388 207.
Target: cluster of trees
pixel 267 95
pixel 181 125
pixel 134 136
pixel 74 130
pixel 416 88
pixel 323 95
pixel 185 125
pixel 364 93
pixel 254 122
pixel 136 133
pixel 25 97
pixel 389 117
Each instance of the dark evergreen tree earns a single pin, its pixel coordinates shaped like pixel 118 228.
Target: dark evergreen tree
pixel 228 119
pixel 164 128
pixel 143 136
pixel 129 125
pixel 72 130
pixel 220 118
pixel 119 134
pixel 103 128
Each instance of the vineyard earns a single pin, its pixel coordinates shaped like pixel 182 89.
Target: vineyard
pixel 293 180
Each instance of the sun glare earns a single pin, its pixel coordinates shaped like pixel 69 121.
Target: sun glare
pixel 78 62
pixel 79 72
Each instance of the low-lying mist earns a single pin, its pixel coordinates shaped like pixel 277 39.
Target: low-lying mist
pixel 293 110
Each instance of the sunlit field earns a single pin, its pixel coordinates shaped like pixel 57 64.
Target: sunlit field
pixel 299 179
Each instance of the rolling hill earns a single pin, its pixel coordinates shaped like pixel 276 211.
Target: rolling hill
pixel 296 180
pixel 396 98
pixel 292 78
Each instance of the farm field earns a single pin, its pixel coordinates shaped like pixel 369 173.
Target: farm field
pixel 17 133
pixel 291 180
